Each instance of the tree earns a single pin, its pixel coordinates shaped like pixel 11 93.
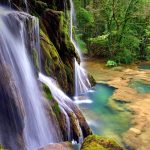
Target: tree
pixel 114 28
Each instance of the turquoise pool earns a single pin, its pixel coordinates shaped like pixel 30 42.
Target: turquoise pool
pixel 101 115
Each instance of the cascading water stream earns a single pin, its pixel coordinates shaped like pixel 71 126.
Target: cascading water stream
pixel 26 4
pixel 72 17
pixel 38 130
pixel 36 40
pixel 82 84
pixel 63 101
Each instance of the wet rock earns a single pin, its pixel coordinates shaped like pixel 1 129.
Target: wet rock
pixel 82 122
pixel 75 132
pixel 57 29
pixel 51 61
pixel 11 112
pixel 58 146
pixel 92 80
pixel 76 119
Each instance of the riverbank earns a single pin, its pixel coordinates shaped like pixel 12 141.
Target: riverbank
pixel 122 78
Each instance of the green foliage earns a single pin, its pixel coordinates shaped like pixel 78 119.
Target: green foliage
pixel 125 56
pixel 84 17
pixel 81 43
pixel 147 42
pixel 111 63
pixel 100 40
pixel 117 30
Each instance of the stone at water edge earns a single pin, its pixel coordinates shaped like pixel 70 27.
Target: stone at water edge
pixel 58 146
pixel 95 142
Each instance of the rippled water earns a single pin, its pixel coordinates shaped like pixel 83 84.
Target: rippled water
pixel 144 66
pixel 103 116
pixel 140 86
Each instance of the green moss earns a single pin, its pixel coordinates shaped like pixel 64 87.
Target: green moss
pixel 35 58
pixel 68 71
pixel 49 52
pixel 47 45
pixel 56 109
pixel 47 92
pixel 0 147
pixel 95 142
pixel 64 29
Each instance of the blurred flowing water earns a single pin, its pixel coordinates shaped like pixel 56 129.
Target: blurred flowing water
pixel 82 83
pixel 38 130
pixel 64 102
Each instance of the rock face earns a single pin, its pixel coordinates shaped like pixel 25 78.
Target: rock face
pixel 94 142
pixel 82 122
pixel 56 27
pixel 77 121
pixel 51 61
pixel 11 112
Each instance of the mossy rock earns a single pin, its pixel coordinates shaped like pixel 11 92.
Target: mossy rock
pixel 56 28
pixel 48 94
pixel 95 142
pixel 53 65
pixel 0 147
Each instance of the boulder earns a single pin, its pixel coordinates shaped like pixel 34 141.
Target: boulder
pixel 58 146
pixel 94 142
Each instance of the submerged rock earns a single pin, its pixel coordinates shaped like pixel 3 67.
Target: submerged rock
pixel 94 142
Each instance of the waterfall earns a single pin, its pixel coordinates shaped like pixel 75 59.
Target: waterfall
pixel 26 4
pixel 38 129
pixel 35 36
pixel 65 103
pixel 82 83
pixel 72 17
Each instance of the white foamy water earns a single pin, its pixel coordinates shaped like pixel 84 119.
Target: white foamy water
pixel 38 130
